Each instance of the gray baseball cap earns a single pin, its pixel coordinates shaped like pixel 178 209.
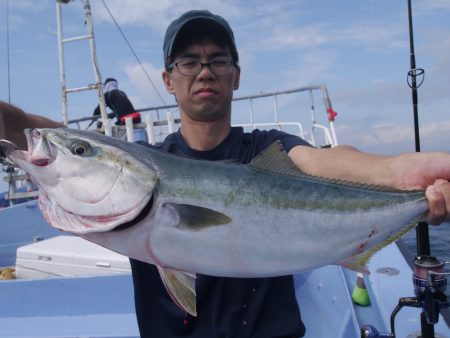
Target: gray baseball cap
pixel 173 30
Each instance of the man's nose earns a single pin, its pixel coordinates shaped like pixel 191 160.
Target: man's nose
pixel 205 71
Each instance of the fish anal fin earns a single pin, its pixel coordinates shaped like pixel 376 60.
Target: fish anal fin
pixel 196 218
pixel 358 262
pixel 356 265
pixel 181 288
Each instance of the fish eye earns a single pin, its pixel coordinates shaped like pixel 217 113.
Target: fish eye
pixel 80 148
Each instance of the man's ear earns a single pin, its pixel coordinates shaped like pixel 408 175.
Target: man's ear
pixel 168 81
pixel 237 78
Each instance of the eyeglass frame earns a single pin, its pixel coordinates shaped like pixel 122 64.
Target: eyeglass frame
pixel 232 63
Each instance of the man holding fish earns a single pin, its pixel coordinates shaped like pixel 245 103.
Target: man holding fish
pixel 202 71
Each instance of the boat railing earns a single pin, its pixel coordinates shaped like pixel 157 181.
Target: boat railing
pixel 327 128
pixel 20 188
pixel 329 141
pixel 318 134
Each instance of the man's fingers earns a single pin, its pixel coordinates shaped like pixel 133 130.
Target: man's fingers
pixel 438 196
pixel 444 187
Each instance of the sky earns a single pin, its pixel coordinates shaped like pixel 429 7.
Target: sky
pixel 358 48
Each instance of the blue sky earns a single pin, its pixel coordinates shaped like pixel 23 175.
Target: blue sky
pixel 358 48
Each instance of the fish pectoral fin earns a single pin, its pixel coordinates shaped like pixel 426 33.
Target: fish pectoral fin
pixel 197 218
pixel 181 287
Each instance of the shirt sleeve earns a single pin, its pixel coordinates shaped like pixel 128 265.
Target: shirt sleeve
pixel 288 141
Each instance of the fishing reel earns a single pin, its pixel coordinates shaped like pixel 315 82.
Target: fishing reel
pixel 430 283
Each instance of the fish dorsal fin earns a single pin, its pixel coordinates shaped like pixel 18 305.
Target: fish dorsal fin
pixel 274 158
pixel 197 218
pixel 181 288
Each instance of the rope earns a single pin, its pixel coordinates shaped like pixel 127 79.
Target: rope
pixel 135 55
pixel 7 50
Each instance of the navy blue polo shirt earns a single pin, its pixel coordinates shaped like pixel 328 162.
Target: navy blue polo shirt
pixel 226 307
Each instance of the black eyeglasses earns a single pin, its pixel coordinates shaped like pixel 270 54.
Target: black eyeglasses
pixel 193 67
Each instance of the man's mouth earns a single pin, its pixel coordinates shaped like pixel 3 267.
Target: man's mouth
pixel 205 92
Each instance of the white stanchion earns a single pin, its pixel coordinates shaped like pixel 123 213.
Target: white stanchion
pixel 170 122
pixel 129 127
pixel 150 131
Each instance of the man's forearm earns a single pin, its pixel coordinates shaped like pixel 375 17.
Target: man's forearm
pixel 430 171
pixel 14 120
pixel 404 171
pixel 344 163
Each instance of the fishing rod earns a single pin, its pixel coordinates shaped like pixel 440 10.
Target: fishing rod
pixel 429 278
pixel 429 292
pixel 423 240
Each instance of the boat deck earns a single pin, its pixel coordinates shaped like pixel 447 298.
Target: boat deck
pixel 68 307
pixel 103 306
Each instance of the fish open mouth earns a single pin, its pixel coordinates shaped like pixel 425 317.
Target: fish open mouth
pixel 40 151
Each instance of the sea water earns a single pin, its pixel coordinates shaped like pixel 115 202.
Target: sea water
pixel 439 244
pixel 439 241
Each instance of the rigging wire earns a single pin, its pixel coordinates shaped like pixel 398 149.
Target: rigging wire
pixel 135 55
pixel 7 168
pixel 7 51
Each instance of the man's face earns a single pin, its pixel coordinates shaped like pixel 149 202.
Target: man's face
pixel 206 96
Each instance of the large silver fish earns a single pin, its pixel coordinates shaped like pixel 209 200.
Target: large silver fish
pixel 215 218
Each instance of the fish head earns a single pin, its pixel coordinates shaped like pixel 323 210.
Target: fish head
pixel 87 182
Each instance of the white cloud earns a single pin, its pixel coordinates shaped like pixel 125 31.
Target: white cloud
pixel 437 46
pixel 139 83
pixel 28 6
pixel 441 128
pixel 386 134
pixel 292 35
pixel 158 14
pixel 313 67
pixel 392 139
pixel 430 7
pixel 286 36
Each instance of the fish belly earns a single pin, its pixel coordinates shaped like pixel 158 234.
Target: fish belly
pixel 262 243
